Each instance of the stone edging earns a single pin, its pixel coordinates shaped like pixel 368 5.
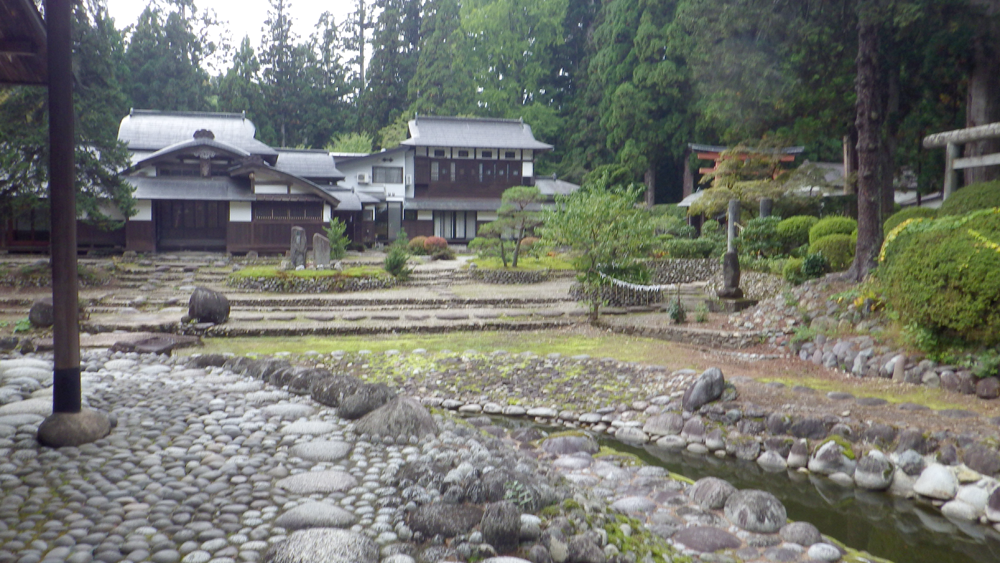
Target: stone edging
pixel 294 284
pixel 509 277
pixel 685 335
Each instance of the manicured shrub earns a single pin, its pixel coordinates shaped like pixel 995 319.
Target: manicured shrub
pixel 416 245
pixel 760 237
pixel 434 244
pixel 940 277
pixel 527 243
pixel 974 197
pixel 792 271
pixel 896 219
pixel 395 262
pixel 689 248
pixel 832 226
pixel 837 249
pixel 814 266
pixel 794 231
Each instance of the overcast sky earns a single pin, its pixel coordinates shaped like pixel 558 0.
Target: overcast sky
pixel 244 17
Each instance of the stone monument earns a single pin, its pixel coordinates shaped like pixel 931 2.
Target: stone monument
pixel 766 207
pixel 298 251
pixel 731 261
pixel 321 251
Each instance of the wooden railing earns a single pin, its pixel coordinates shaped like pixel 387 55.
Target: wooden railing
pixel 952 141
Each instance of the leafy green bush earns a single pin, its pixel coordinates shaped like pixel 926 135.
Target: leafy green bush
pixel 838 250
pixel 794 231
pixel 896 219
pixel 792 271
pixel 814 266
pixel 940 277
pixel 416 246
pixel 758 264
pixel 974 197
pixel 689 248
pixel 760 237
pixel 832 226
pixel 397 257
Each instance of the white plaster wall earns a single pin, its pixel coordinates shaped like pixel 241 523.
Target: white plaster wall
pixel 271 189
pixel 143 210
pixel 528 170
pixel 240 212
pixel 487 216
pixel 425 215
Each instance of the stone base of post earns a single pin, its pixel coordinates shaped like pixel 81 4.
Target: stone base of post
pixel 74 428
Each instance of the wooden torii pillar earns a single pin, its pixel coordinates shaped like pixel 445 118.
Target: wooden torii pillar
pixel 952 141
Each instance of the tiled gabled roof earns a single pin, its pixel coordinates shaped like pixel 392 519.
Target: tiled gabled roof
pixel 150 130
pixel 470 132
pixel 313 164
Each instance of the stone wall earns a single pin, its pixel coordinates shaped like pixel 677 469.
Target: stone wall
pixel 756 285
pixel 618 296
pixel 293 284
pixel 665 272
pixel 509 277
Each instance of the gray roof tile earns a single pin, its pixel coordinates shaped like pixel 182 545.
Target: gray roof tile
pixel 313 164
pixel 192 188
pixel 472 133
pixel 149 130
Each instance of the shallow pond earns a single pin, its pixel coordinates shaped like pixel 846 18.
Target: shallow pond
pixel 898 529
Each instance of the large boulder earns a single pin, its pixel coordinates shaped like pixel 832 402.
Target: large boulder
pixel 583 549
pixel 874 472
pixel 570 444
pixel 707 388
pixel 316 515
pixel 208 306
pixel 802 533
pixel 982 459
pixel 42 313
pixel 323 545
pixel 331 390
pixel 668 424
pixel 756 511
pixel 501 526
pixel 832 457
pixel 367 398
pixel 711 493
pixel 937 482
pixel 706 539
pixel 447 520
pixel 400 418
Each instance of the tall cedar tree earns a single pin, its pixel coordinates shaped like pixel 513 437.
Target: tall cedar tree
pixel 281 73
pixel 440 84
pixel 394 61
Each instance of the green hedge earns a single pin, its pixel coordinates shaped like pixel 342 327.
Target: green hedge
pixel 838 249
pixel 792 271
pixel 896 219
pixel 690 248
pixel 941 276
pixel 760 237
pixel 794 231
pixel 985 195
pixel 831 226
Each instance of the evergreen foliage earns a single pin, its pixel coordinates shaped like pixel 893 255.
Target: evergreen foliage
pixel 336 233
pixel 838 249
pixel 984 195
pixel 794 231
pixel 909 213
pixel 832 226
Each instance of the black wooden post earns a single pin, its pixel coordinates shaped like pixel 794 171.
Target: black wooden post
pixel 69 424
pixel 62 202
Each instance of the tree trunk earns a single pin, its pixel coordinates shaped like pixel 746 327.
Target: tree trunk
pixel 890 141
pixel 983 104
pixel 650 180
pixel 870 120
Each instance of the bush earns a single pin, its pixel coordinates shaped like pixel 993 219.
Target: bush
pixel 445 253
pixel 837 249
pixel 336 233
pixel 792 271
pixel 832 226
pixel 689 248
pixel 434 244
pixel 527 243
pixel 942 277
pixel 760 237
pixel 814 266
pixel 794 231
pixel 974 197
pixel 416 245
pixel 896 219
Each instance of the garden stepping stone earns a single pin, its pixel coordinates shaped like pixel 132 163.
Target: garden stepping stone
pixel 313 427
pixel 956 413
pixel 322 450
pixel 283 317
pixel 452 316
pixel 416 317
pixel 487 315
pixel 871 401
pixel 320 317
pixel 354 317
pixel 550 314
pixel 316 515
pixel 912 407
pixel 249 318
pixel 385 317
pixel 839 396
pixel 803 389
pixel 323 482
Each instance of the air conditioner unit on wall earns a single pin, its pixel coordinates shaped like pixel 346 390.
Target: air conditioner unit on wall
pixel 364 178
pixel 408 180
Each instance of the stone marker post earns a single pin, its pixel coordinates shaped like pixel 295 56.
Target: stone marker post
pixel 298 250
pixel 731 262
pixel 766 207
pixel 321 251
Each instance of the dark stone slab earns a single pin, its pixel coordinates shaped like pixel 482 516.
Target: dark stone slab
pixel 871 401
pixel 956 413
pixel 707 539
pixel 912 407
